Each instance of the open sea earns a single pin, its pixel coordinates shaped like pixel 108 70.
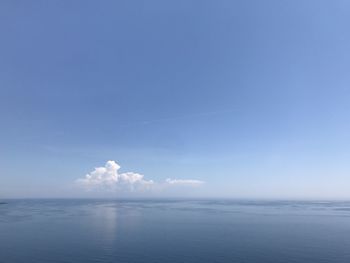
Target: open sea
pixel 167 231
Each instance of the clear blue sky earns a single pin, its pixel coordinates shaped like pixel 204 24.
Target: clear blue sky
pixel 252 97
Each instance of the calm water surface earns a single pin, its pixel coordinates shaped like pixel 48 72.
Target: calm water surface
pixel 83 231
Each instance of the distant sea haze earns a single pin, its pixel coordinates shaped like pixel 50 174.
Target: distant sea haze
pixel 84 231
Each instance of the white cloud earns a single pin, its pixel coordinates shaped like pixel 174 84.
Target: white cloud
pixel 183 182
pixel 108 178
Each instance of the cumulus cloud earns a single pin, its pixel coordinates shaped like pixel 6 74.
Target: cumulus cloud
pixel 108 177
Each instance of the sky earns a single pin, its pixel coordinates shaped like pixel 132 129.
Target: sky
pixel 219 99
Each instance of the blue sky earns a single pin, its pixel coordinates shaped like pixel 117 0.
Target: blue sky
pixel 251 97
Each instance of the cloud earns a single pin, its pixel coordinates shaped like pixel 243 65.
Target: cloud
pixel 108 178
pixel 188 182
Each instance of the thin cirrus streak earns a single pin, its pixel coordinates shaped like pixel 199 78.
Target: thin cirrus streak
pixel 108 177
pixel 183 117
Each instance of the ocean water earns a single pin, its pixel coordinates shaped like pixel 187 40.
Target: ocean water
pixel 83 231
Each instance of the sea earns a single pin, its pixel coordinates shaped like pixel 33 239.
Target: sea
pixel 169 231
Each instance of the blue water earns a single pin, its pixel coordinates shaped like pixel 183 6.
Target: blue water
pixel 173 231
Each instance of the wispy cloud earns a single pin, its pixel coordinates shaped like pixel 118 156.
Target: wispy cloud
pixel 108 178
pixel 179 118
pixel 188 182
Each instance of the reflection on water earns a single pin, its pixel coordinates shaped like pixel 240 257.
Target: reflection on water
pixel 173 231
pixel 104 218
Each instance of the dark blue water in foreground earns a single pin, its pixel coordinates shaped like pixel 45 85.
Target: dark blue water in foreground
pixel 173 231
